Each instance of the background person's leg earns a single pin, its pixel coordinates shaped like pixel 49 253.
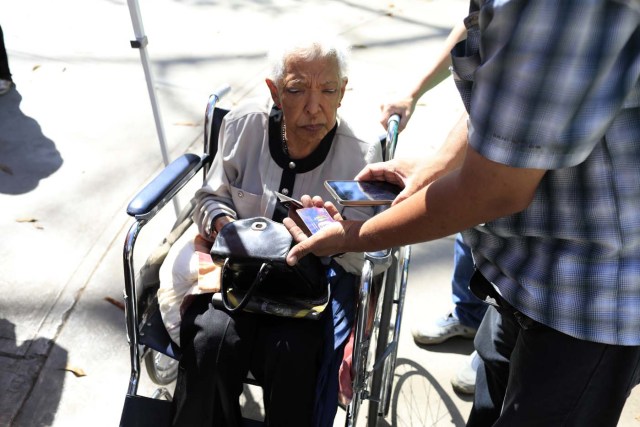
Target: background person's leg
pixel 462 321
pixel 468 310
pixel 5 74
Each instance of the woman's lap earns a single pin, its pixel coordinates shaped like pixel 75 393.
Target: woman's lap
pixel 282 353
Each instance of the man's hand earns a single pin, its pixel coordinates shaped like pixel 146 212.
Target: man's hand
pixel 411 174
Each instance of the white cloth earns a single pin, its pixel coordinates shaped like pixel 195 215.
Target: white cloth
pixel 178 278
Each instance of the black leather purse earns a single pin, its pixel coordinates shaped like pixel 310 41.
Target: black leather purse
pixel 256 277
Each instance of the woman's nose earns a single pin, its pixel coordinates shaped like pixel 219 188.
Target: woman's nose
pixel 312 105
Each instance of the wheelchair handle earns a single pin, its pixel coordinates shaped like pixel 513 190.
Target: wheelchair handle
pixel 211 104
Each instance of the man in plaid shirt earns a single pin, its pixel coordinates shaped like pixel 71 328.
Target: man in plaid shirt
pixel 547 186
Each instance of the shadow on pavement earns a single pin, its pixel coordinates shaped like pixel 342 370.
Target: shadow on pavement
pixel 455 345
pixel 26 155
pixel 22 366
pixel 419 400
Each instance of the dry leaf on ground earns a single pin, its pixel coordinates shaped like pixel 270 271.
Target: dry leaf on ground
pixel 78 372
pixel 115 302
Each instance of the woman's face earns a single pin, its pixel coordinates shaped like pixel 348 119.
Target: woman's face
pixel 309 97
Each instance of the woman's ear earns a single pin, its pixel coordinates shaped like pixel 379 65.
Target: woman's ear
pixel 274 92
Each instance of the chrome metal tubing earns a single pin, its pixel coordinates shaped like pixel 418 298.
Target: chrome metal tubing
pixel 360 345
pixel 404 255
pixel 131 306
pixel 392 136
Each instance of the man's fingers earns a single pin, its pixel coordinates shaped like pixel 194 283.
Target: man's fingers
pixel 372 172
pixel 403 195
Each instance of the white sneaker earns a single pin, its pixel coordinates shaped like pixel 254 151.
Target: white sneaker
pixel 465 380
pixel 447 327
pixel 5 85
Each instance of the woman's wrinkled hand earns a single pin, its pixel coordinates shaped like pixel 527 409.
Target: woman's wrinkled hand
pixel 325 242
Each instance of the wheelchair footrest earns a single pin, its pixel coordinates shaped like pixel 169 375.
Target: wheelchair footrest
pixel 246 422
pixel 141 411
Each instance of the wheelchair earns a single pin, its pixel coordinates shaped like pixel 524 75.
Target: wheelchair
pixel 380 298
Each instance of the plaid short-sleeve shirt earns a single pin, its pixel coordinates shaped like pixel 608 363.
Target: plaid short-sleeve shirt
pixel 557 87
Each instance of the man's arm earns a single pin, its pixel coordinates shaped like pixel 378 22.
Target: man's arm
pixel 480 191
pixel 414 174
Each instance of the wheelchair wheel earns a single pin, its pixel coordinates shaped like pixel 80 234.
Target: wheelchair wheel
pixel 388 335
pixel 367 318
pixel 161 368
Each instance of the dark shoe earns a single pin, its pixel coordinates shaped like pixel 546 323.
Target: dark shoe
pixel 5 86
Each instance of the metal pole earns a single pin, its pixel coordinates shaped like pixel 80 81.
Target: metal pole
pixel 140 43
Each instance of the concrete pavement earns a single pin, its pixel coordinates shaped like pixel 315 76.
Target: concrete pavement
pixel 78 139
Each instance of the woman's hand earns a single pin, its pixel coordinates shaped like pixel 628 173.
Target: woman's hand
pixel 330 240
pixel 323 247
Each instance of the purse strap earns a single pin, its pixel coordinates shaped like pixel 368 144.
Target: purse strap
pixel 262 273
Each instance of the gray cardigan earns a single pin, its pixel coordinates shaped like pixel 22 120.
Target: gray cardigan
pixel 245 174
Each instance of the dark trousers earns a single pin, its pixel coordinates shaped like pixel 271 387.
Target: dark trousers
pixel 218 349
pixel 5 74
pixel 536 376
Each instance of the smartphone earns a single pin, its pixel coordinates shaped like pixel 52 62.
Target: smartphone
pixel 362 193
pixel 288 202
pixel 310 220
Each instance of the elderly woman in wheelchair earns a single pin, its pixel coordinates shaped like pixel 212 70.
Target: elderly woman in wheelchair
pixel 291 145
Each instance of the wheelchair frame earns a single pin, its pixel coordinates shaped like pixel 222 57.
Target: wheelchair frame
pixel 377 323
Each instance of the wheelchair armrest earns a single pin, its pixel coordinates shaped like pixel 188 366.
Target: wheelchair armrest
pixel 164 186
pixel 380 260
pixel 378 257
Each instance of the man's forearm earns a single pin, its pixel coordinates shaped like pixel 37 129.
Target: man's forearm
pixel 478 192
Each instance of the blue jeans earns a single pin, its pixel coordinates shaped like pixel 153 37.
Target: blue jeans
pixel 468 308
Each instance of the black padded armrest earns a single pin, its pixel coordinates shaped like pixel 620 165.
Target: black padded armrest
pixel 164 186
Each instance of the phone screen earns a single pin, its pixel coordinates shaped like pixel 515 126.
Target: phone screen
pixel 363 193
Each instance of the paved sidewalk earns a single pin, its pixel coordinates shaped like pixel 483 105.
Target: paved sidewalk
pixel 78 139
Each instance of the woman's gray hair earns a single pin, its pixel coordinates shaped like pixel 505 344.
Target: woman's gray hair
pixel 308 47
